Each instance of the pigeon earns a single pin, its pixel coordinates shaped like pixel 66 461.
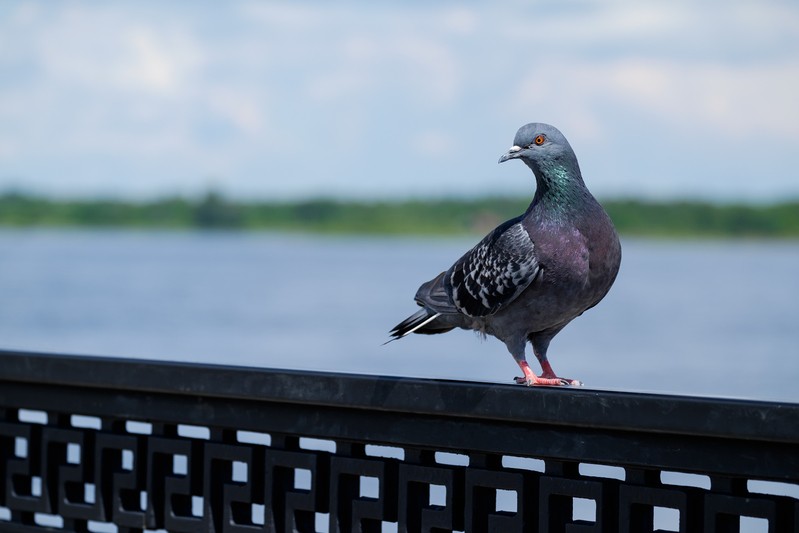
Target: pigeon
pixel 532 275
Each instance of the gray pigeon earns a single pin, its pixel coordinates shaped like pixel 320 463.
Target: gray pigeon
pixel 533 274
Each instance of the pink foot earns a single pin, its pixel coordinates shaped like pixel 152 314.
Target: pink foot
pixel 549 373
pixel 547 377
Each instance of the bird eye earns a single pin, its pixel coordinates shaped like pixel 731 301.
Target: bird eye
pixel 539 140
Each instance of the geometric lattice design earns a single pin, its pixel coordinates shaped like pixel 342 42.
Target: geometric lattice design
pixel 118 459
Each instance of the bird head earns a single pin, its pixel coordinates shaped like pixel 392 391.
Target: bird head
pixel 538 144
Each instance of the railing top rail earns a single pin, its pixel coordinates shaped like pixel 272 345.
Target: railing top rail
pixel 585 408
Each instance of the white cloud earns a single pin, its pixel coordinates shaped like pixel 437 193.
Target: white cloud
pixel 291 16
pixel 434 144
pixel 370 63
pixel 431 68
pixel 733 100
pixel 460 20
pixel 244 111
pixel 344 83
pixel 154 61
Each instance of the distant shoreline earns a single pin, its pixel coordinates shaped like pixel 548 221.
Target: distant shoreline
pixel 632 217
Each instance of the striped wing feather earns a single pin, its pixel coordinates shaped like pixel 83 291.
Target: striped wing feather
pixel 493 273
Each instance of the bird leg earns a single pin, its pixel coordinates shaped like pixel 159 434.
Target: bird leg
pixel 540 342
pixel 548 377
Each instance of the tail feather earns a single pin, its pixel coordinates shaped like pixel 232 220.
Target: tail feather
pixel 413 323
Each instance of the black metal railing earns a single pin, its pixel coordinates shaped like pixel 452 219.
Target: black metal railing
pixel 98 444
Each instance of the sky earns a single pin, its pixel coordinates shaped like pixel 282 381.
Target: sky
pixel 283 100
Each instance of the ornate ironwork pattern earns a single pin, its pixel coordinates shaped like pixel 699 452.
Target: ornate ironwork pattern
pixel 90 444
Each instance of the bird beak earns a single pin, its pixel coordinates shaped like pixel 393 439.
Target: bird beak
pixel 513 153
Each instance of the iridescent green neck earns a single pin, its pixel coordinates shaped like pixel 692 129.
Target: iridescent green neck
pixel 559 185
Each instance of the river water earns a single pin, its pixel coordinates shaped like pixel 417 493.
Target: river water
pixel 701 318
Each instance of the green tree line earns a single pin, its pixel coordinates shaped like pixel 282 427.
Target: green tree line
pixel 421 217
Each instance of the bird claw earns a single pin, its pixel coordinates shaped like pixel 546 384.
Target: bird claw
pixel 555 381
pixel 547 377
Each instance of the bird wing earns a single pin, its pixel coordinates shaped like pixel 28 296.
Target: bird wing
pixel 435 296
pixel 493 273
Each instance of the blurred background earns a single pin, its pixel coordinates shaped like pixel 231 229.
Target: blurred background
pixel 267 183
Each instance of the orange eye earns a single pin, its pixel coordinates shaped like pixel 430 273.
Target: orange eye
pixel 539 140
